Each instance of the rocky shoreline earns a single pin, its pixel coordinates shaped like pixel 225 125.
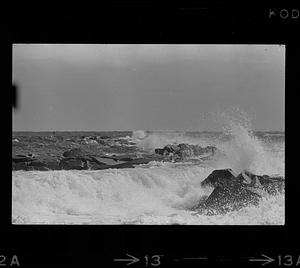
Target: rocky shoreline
pixel 93 153
pixel 230 191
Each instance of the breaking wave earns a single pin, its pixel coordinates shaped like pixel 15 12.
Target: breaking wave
pixel 238 147
pixel 108 193
pixel 244 150
pixel 156 193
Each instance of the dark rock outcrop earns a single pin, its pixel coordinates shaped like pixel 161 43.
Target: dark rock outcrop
pixel 271 185
pixel 123 165
pixel 103 160
pixel 229 198
pixel 185 151
pixel 52 164
pixel 182 151
pixel 19 166
pixel 21 159
pixel 73 163
pixel 124 158
pixel 37 165
pixel 233 192
pixel 75 152
pixel 220 177
pixel 92 165
pixel 104 137
pixel 167 150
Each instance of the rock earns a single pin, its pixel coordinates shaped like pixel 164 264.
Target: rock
pixel 50 139
pixel 104 137
pixel 90 140
pixel 274 187
pixel 43 165
pixel 105 160
pixel 233 192
pixel 220 177
pixel 246 178
pixel 75 152
pixel 102 142
pixel 73 163
pixel 144 160
pixel 38 168
pixel 21 158
pixel 183 151
pixel 229 198
pixel 123 158
pixel 170 148
pixel 52 164
pixel 37 163
pixel 271 185
pixel 32 155
pixel 159 151
pixel 19 166
pixel 92 165
pixel 123 165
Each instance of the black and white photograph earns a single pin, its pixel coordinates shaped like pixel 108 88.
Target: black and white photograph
pixel 148 134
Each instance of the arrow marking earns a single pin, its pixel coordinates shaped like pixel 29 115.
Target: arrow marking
pixel 195 258
pixel 266 260
pixel 132 259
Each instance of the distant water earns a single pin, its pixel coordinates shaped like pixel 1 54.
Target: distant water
pixel 155 193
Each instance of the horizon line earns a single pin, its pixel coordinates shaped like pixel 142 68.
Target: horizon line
pixel 137 130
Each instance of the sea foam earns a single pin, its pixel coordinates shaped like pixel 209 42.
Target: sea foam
pixel 155 193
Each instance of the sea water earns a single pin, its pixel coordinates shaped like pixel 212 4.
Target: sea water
pixel 155 193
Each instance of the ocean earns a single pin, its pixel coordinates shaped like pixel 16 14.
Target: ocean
pixel 156 193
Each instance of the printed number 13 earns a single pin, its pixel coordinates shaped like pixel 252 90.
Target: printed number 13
pixel 287 260
pixel 154 260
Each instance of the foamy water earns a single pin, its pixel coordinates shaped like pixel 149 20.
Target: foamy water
pixel 156 193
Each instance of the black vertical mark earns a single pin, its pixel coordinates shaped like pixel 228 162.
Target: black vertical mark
pixel 14 96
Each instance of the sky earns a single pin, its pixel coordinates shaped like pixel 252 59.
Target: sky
pixel 108 87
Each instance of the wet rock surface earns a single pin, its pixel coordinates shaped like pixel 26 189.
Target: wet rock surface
pixel 80 152
pixel 182 151
pixel 220 177
pixel 233 192
pixel 53 151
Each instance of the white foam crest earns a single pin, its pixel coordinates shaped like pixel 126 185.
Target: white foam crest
pixel 244 150
pixel 270 211
pixel 139 134
pixel 107 193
